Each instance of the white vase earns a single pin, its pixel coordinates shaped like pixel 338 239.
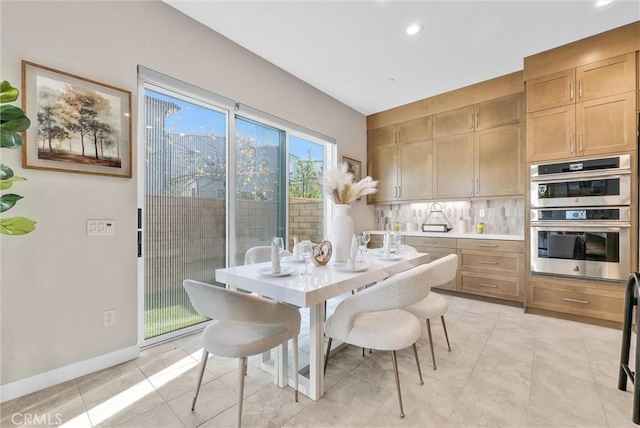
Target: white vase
pixel 341 233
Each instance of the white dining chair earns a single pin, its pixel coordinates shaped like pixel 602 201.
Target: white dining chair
pixel 373 319
pixel 244 325
pixel 434 305
pixel 261 253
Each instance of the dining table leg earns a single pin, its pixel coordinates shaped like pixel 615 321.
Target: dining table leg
pixel 316 356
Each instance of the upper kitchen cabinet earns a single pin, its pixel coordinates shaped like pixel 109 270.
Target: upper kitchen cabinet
pixel 489 114
pixel 499 161
pixel 400 157
pixel 453 167
pixel 581 97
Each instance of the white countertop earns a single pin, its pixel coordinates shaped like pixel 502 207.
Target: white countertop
pixel 456 235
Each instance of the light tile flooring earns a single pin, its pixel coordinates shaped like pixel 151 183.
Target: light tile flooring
pixel 506 369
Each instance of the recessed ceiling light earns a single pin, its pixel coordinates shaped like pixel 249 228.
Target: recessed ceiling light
pixel 601 3
pixel 414 29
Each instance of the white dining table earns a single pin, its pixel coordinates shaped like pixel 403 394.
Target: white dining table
pixel 312 291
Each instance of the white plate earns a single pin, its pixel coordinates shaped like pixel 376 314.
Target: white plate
pixel 392 257
pixel 290 259
pixel 381 250
pixel 344 266
pixel 267 271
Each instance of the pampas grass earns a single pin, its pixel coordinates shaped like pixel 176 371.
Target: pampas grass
pixel 339 185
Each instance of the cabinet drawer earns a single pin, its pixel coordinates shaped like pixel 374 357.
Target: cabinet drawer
pixel 593 303
pixel 502 287
pixel 492 263
pixel 426 241
pixel 491 245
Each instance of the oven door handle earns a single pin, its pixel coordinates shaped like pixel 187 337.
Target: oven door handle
pixel 577 226
pixel 579 176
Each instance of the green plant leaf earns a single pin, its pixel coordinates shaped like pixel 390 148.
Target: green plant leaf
pixel 5 172
pixel 16 225
pixel 10 139
pixel 8 201
pixel 15 124
pixel 8 93
pixel 5 184
pixel 9 112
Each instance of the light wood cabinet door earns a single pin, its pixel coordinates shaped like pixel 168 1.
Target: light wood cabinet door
pixel 382 137
pixel 551 134
pixel 553 90
pixel 499 157
pixel 503 111
pixel 383 166
pixel 608 77
pixel 415 170
pixel 606 125
pixel 453 122
pixel 453 166
pixel 416 130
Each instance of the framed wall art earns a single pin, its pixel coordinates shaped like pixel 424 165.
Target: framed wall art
pixel 82 126
pixel 354 167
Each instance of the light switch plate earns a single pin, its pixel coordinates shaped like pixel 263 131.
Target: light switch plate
pixel 101 227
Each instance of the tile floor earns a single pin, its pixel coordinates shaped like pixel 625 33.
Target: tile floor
pixel 506 369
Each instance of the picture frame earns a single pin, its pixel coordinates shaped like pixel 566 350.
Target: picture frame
pixel 78 125
pixel 355 168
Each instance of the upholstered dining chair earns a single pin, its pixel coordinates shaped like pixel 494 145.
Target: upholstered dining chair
pixel 373 319
pixel 434 305
pixel 261 253
pixel 244 325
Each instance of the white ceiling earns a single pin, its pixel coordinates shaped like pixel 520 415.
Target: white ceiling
pixel 358 52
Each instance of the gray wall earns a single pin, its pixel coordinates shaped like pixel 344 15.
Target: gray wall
pixel 56 281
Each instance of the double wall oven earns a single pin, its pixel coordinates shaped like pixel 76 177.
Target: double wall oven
pixel 581 218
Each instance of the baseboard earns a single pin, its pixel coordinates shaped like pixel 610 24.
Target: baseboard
pixel 63 374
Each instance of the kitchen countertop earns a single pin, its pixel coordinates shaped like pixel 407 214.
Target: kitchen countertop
pixel 456 235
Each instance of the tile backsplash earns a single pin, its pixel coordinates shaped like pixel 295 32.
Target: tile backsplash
pixel 500 216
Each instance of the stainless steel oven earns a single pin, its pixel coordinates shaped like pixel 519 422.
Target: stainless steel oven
pixel 589 242
pixel 584 183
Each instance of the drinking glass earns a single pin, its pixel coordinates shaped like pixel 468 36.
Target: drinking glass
pixel 397 239
pixel 280 244
pixel 366 237
pixel 305 252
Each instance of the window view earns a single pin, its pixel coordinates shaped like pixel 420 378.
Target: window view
pixel 184 210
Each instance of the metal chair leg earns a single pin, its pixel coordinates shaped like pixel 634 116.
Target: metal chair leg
pixel 444 326
pixel 203 364
pixel 433 355
pixel 326 357
pixel 295 366
pixel 395 372
pixel 415 354
pixel 241 365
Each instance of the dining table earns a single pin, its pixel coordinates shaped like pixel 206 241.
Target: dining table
pixel 311 291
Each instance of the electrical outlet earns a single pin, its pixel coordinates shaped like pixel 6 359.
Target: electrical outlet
pixel 101 227
pixel 110 317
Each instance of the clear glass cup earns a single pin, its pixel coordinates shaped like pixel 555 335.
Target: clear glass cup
pixel 366 237
pixel 397 240
pixel 305 252
pixel 280 244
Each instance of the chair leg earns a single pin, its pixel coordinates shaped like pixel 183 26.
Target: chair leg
pixel 295 366
pixel 415 354
pixel 444 326
pixel 203 364
pixel 241 365
pixel 326 357
pixel 433 355
pixel 395 372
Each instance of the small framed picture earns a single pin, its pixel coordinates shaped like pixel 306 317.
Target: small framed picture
pixel 78 125
pixel 354 167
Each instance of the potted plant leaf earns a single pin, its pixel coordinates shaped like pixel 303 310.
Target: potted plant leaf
pixel 12 123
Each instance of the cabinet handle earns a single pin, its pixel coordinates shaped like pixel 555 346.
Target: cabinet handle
pixel 580 143
pixel 482 284
pixel 571 143
pixel 399 191
pixel 395 192
pixel 579 88
pixel 584 302
pixel 570 90
pixel 477 119
pixel 477 186
pixel 484 262
pixel 471 187
pixel 488 245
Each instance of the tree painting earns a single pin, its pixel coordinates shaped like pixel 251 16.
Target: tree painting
pixel 83 122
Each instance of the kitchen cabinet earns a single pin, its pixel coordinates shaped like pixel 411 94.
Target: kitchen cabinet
pixel 491 268
pixel 400 158
pixel 489 114
pixel 588 110
pixel 486 163
pixel 437 248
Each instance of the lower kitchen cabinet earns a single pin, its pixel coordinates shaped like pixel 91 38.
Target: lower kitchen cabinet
pixel 437 248
pixel 498 286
